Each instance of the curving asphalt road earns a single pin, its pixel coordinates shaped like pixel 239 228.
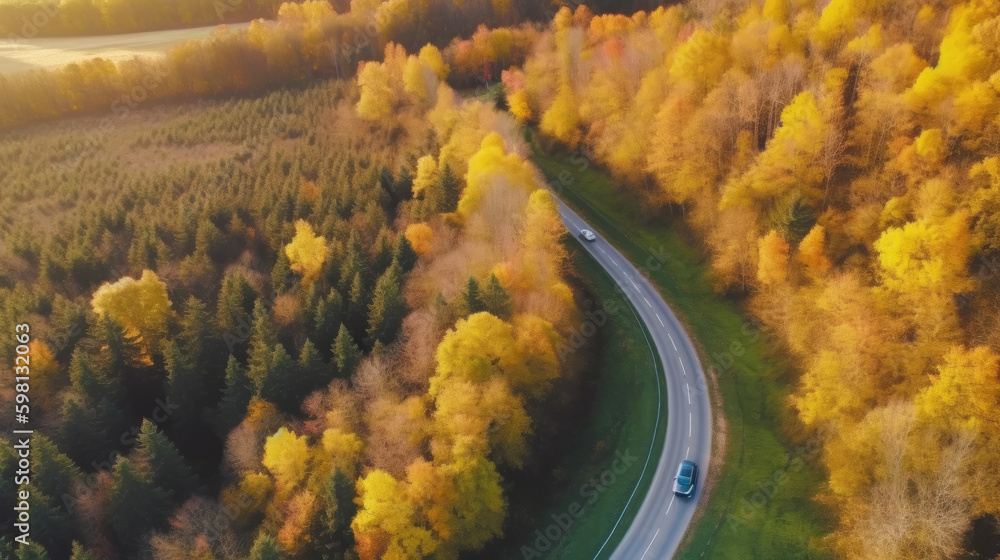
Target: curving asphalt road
pixel 660 524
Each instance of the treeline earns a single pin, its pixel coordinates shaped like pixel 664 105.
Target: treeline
pixel 838 160
pixel 313 343
pixel 27 19
pixel 306 41
pixel 409 22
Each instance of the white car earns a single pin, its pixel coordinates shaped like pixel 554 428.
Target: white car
pixel 588 235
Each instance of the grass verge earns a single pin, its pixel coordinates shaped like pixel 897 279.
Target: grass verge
pixel 761 505
pixel 607 461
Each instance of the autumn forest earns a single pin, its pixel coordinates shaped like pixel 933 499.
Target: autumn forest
pixel 301 291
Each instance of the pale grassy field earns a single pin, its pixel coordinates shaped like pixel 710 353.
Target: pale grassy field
pixel 22 55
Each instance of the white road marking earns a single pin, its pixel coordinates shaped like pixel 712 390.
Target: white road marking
pixel 671 504
pixel 658 318
pixel 649 305
pixel 690 425
pixel 650 544
pixel 683 369
pixel 689 392
pixel 672 341
pixel 688 452
pixel 601 249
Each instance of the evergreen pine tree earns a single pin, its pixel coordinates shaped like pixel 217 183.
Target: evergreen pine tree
pixel 353 263
pixel 265 548
pixel 313 373
pixel 136 505
pixel 449 188
pixel 85 380
pixel 33 551
pixel 383 250
pixel 276 382
pixel 239 390
pixel 327 319
pixel 53 472
pixel 496 299
pixel 471 299
pixel 346 353
pixel 404 254
pixel 357 308
pixel 263 337
pixel 78 436
pixel 118 350
pixel 115 363
pixel 385 314
pixel 281 273
pixel 235 304
pixel 50 524
pixel 81 553
pixel 166 465
pixel 196 331
pixel 332 534
pixel 184 383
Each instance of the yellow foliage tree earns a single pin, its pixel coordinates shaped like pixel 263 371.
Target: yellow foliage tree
pixel 490 166
pixel 701 60
pixel 427 175
pixel 298 514
pixel 141 306
pixel 431 57
pixel 340 450
pixel 812 251
pixel 791 161
pixel 923 257
pixel 483 418
pixel 307 252
pixel 772 265
pixel 963 399
pixel 482 347
pixel 387 526
pixel 377 96
pixel 287 456
pixel 421 237
pixel 562 119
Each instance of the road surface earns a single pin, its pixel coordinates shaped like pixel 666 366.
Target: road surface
pixel 660 524
pixel 19 55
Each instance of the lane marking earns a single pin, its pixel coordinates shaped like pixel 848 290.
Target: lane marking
pixel 650 544
pixel 671 504
pixel 690 425
pixel 683 369
pixel 688 452
pixel 660 320
pixel 649 305
pixel 672 342
pixel 689 392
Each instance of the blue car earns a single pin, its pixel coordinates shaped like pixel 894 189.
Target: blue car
pixel 687 477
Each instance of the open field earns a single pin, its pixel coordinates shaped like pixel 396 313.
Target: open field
pixel 30 54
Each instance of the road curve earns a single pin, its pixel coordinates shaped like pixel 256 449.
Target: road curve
pixel 660 524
